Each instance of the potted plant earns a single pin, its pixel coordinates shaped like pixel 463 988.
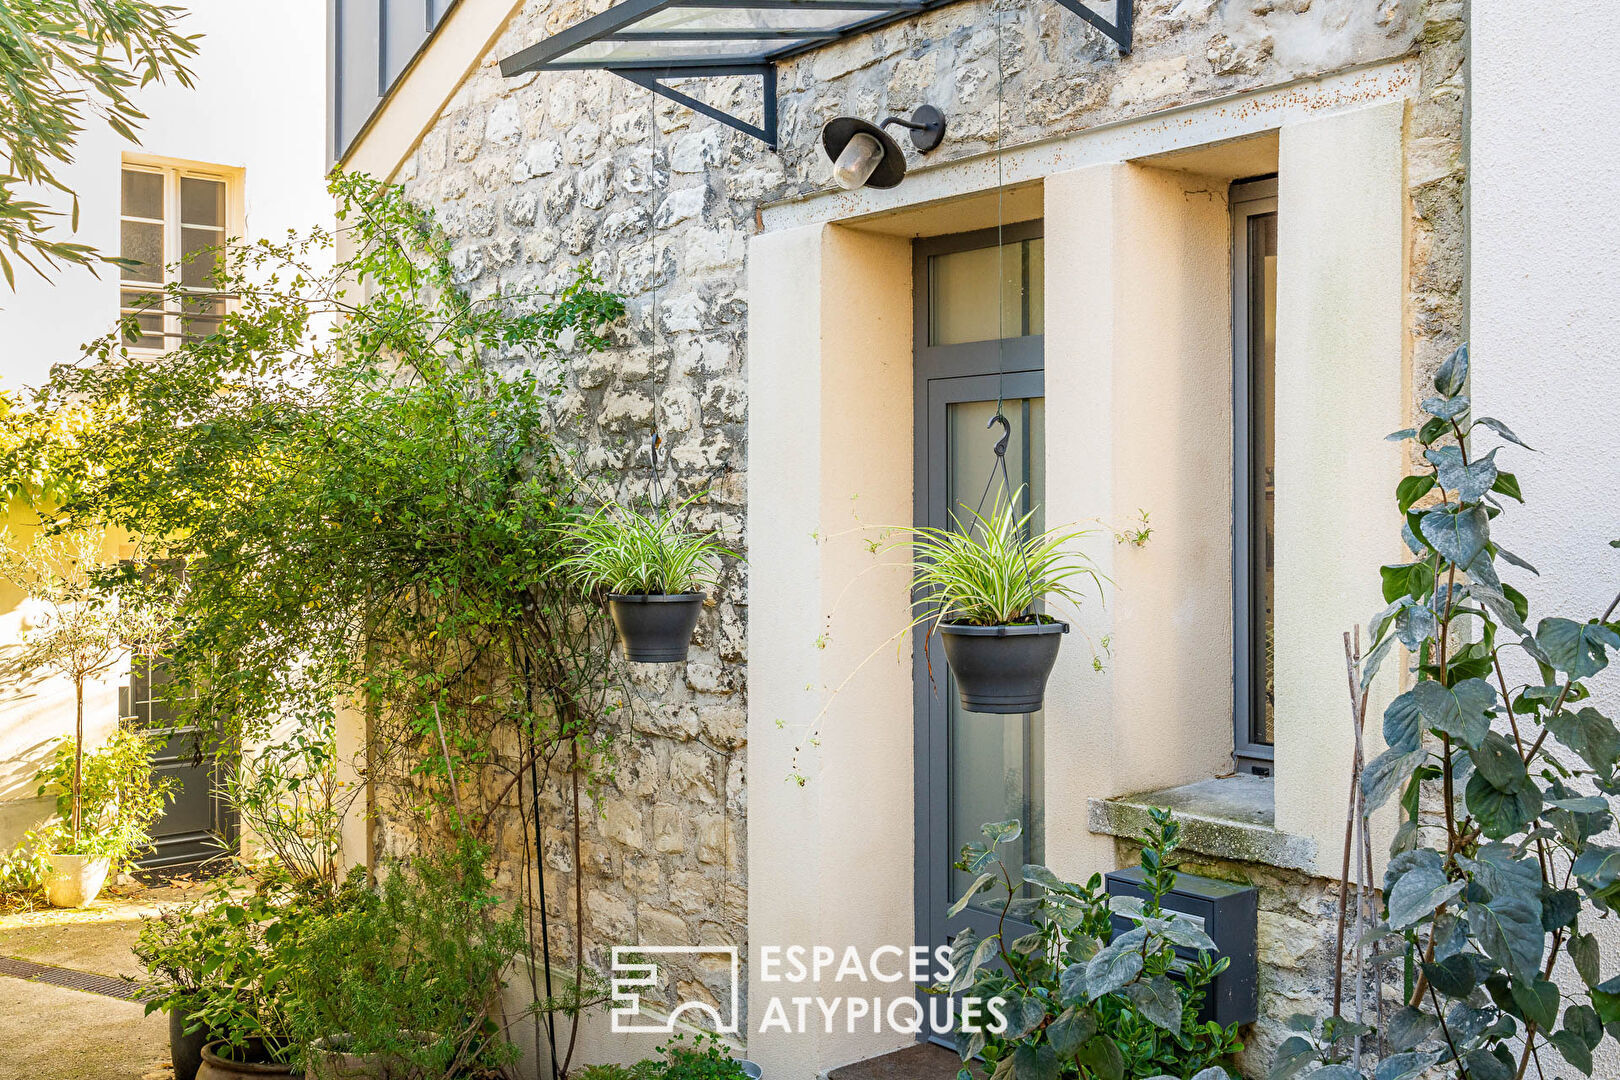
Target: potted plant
pixel 175 954
pixel 111 795
pixel 367 993
pixel 983 586
pixel 654 573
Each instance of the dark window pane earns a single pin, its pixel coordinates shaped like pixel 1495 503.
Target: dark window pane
pixel 961 309
pixel 142 242
pixel 143 194
pixel 202 202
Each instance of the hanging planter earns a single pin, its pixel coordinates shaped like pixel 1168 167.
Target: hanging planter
pixel 655 575
pixel 656 628
pixel 1002 669
pixel 985 582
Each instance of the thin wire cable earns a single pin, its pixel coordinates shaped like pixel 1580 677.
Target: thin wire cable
pixel 1001 248
pixel 652 229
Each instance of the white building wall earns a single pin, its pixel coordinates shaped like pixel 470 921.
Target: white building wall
pixel 258 107
pixel 1543 317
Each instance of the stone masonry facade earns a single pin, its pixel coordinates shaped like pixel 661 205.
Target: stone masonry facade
pixel 534 176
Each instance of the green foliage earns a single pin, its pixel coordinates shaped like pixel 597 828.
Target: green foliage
pixel 624 550
pixel 119 798
pixel 992 572
pixel 358 473
pixel 288 797
pixel 703 1056
pixel 1485 897
pixel 407 972
pixel 63 60
pixel 1084 1001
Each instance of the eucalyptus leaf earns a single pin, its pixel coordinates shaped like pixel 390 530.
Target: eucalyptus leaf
pixel 1598 867
pixel 1502 813
pixel 1409 1028
pixel 1003 832
pixel 1498 762
pixel 980 883
pixel 1408 1066
pixel 1584 954
pixel 1117 964
pixel 1582 1021
pixel 1508 556
pixel 1573 1050
pixel 1537 1001
pixel 1102 1057
pixel 1387 773
pixel 1294 1054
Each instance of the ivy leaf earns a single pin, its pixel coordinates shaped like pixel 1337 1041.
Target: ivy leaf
pixel 1508 928
pixel 1578 649
pixel 1072 984
pixel 1481 1064
pixel 1503 874
pixel 1457 975
pixel 1070 1031
pixel 1507 556
pixel 1590 734
pixel 1538 1001
pixel 1036 874
pixel 1417 894
pixel 1461 711
pixel 1459 534
pixel 1024 1015
pixel 1157 999
pixel 1375 659
pixel 1598 867
pixel 1103 1058
pixel 1469 479
pixel 1508 484
pixel 1501 429
pixel 1401 435
pixel 1452 375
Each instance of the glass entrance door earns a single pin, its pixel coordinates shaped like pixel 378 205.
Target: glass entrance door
pixel 975 768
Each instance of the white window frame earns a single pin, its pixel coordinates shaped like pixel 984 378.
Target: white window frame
pixel 173 171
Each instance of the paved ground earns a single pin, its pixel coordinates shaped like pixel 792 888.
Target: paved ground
pixel 52 1033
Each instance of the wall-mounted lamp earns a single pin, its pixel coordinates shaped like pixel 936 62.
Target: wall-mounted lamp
pixel 863 155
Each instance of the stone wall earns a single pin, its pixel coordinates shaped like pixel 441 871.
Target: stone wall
pixel 536 175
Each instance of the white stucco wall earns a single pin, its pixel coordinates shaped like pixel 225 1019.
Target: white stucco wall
pixel 1543 322
pixel 258 107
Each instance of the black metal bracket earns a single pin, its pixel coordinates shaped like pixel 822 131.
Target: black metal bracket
pixel 1118 31
pixel 652 79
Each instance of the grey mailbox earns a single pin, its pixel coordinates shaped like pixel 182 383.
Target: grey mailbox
pixel 1229 914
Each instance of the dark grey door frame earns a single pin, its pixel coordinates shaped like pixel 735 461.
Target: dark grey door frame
pixel 942 375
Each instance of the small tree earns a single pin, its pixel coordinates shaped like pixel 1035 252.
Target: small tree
pixel 81 634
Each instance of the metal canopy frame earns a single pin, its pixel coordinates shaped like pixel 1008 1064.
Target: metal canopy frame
pixel 756 49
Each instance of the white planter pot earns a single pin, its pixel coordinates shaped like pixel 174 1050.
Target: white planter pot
pixel 75 880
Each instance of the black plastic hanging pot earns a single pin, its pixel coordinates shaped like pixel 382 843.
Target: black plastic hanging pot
pixel 1002 669
pixel 656 628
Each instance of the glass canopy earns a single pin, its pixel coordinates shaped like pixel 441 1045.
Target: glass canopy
pixel 648 41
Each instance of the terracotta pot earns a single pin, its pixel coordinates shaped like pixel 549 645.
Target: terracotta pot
pixel 330 1059
pixel 218 1065
pixel 1002 669
pixel 75 880
pixel 656 628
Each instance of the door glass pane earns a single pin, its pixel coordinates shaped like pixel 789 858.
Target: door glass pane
pixel 997 763
pixel 960 307
pixel 1262 299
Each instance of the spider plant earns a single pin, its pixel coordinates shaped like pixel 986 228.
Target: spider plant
pixel 993 572
pixel 628 552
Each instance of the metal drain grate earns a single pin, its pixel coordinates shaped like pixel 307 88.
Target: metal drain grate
pixel 105 985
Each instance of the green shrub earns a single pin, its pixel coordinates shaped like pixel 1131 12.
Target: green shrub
pixel 119 798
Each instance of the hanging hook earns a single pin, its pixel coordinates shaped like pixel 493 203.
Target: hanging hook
pixel 1006 433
